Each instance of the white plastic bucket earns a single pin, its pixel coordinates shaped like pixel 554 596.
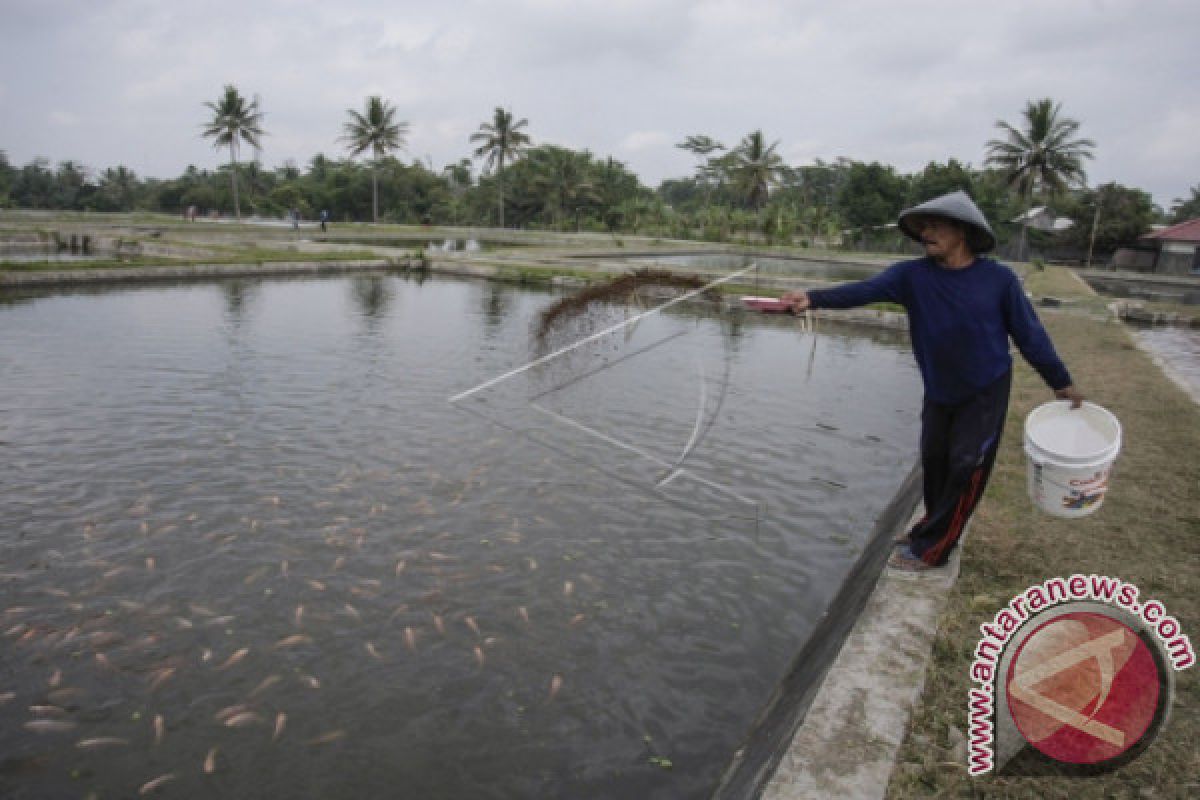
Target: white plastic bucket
pixel 1068 455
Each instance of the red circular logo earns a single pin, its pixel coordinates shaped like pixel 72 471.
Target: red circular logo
pixel 1083 688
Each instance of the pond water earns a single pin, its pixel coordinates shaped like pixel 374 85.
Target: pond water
pixel 1179 348
pixel 250 548
pixel 824 270
pixel 45 256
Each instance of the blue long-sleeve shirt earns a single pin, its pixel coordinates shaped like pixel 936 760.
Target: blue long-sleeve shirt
pixel 960 321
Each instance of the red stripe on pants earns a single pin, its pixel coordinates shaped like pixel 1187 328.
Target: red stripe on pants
pixel 962 512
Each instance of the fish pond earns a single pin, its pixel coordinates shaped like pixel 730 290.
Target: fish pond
pixel 252 549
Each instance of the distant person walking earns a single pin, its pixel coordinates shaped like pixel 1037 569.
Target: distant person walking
pixel 324 219
pixel 962 309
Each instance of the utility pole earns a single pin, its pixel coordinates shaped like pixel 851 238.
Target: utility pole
pixel 1095 224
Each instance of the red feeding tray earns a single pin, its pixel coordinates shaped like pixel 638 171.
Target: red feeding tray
pixel 768 305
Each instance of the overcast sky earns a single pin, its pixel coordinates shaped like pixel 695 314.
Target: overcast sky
pixel 109 82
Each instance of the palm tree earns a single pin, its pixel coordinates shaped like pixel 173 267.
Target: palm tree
pixel 377 130
pixel 234 120
pixel 702 147
pixel 756 168
pixel 1044 158
pixel 500 141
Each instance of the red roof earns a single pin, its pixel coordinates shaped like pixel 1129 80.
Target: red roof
pixel 1183 232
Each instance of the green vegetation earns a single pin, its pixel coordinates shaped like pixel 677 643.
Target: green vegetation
pixel 742 194
pixel 500 140
pixel 377 130
pixel 234 120
pixel 1041 159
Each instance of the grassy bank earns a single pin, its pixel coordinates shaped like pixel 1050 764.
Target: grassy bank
pixel 1147 533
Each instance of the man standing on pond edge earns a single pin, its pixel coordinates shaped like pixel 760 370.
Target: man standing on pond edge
pixel 962 309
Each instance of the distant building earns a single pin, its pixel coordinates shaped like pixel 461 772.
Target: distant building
pixel 1043 219
pixel 1176 249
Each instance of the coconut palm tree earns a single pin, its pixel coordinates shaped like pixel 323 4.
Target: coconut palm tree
pixel 377 130
pixel 703 147
pixel 499 141
pixel 234 120
pixel 756 168
pixel 1043 157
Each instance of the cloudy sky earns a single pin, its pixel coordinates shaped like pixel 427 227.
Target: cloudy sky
pixel 109 82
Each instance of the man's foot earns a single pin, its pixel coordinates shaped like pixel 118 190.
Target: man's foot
pixel 903 559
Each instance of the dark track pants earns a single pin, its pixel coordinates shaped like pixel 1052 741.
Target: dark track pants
pixel 958 448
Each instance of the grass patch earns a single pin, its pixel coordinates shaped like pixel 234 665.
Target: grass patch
pixel 1147 533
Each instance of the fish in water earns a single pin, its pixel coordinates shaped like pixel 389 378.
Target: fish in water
pixel 55 679
pixel 280 722
pixel 47 711
pixel 373 652
pixel 556 683
pixel 439 624
pixel 479 655
pixel 317 585
pixel 474 626
pixel 310 681
pixel 298 617
pixel 150 786
pixel 410 638
pixel 326 738
pixel 160 677
pixel 264 684
pixel 210 762
pixel 400 565
pixel 568 588
pixel 243 718
pixel 160 728
pixel 229 711
pixel 524 614
pixel 101 741
pixel 338 563
pixel 283 568
pixel 150 563
pixel 49 725
pixel 293 640
pixel 235 658
pixel 352 611
pixel 575 620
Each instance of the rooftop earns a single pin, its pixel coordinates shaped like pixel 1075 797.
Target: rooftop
pixel 1188 231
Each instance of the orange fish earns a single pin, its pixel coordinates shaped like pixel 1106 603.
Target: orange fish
pixel 150 786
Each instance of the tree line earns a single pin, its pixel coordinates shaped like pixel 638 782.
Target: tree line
pixel 744 191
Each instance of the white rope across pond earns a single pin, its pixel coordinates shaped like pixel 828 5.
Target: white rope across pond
pixel 557 353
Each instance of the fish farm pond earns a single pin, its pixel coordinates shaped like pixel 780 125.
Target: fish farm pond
pixel 366 536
